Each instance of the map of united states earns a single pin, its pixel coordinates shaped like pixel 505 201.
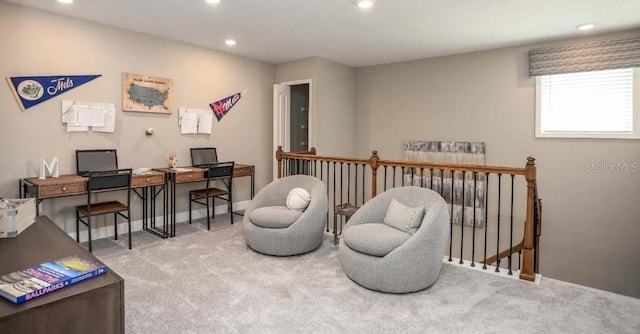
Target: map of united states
pixel 148 96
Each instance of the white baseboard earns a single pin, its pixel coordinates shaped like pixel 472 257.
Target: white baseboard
pixel 503 272
pixel 136 225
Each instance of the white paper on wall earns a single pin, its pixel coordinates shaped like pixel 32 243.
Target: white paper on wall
pixel 193 121
pixel 82 116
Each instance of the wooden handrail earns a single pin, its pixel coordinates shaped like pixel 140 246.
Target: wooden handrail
pixel 399 163
pixel 529 259
pixel 505 253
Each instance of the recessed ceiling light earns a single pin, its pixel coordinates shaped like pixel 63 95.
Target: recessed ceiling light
pixel 586 26
pixel 230 42
pixel 65 1
pixel 365 4
pixel 213 1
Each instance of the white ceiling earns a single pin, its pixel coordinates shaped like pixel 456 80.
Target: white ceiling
pixel 278 31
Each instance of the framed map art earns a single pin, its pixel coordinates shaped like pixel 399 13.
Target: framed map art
pixel 145 93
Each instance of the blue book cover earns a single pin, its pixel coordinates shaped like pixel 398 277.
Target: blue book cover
pixel 45 278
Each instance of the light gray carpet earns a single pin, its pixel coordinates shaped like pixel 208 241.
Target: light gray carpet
pixel 210 282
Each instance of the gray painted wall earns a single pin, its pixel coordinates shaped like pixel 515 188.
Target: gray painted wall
pixel 332 102
pixel 41 43
pixel 591 229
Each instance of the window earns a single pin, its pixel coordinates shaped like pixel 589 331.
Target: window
pixel 595 104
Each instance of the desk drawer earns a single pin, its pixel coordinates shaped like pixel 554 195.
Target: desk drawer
pixel 189 176
pixel 55 190
pixel 242 171
pixel 147 180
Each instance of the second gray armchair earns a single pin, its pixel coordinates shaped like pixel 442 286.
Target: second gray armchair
pixel 398 256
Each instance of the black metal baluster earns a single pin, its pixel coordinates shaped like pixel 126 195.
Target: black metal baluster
pixel 464 173
pixel 473 234
pixel 334 195
pixel 394 176
pixel 385 178
pixel 348 182
pixel 451 220
pixel 486 216
pixel 363 182
pixel 498 234
pixel 422 177
pixel 402 177
pixel 412 176
pixel 355 185
pixel 441 181
pixel 431 178
pixel 511 227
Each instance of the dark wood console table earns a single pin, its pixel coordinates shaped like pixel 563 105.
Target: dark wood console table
pixel 92 306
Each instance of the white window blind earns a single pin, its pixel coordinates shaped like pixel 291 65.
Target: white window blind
pixel 586 104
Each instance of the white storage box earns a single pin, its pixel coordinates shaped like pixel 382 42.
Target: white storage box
pixel 20 214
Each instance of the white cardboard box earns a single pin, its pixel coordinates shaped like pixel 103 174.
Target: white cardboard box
pixel 17 218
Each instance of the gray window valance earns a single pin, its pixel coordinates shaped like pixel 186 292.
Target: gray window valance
pixel 583 57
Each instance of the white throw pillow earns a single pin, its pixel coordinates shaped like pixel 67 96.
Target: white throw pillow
pixel 298 199
pixel 404 218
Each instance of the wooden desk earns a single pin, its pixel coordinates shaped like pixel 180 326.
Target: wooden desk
pixel 165 178
pixel 143 185
pixel 95 305
pixel 195 174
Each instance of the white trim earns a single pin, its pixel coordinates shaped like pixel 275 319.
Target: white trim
pixel 312 118
pixel 503 272
pixel 590 134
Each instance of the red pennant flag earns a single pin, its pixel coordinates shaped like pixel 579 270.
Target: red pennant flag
pixel 222 107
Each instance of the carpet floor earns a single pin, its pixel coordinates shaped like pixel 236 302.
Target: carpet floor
pixel 210 282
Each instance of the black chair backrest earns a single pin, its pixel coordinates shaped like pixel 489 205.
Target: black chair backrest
pixel 96 161
pixel 201 156
pixel 220 170
pixel 117 178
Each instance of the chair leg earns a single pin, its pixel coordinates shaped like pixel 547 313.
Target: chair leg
pixel 77 226
pixel 115 225
pixel 231 208
pixel 129 224
pixel 208 215
pixel 190 199
pixel 89 231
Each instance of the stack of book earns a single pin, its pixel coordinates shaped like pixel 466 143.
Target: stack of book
pixel 48 277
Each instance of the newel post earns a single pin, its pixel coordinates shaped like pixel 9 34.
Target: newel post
pixel 373 163
pixel 527 272
pixel 279 158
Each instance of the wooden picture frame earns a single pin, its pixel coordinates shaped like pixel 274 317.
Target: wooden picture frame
pixel 146 93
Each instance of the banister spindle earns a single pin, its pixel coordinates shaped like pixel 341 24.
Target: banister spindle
pixel 363 183
pixel 385 179
pixel 462 216
pixel 355 184
pixel 451 219
pixel 511 228
pixel 473 233
pixel 498 234
pixel 486 218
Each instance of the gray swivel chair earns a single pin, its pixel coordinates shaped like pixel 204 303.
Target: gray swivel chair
pixel 273 229
pixel 383 258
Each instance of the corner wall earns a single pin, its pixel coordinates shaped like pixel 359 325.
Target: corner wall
pixel 590 231
pixel 333 102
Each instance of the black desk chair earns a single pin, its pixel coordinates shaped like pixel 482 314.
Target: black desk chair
pixel 119 179
pixel 222 171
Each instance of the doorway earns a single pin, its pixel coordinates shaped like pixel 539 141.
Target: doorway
pixel 292 117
